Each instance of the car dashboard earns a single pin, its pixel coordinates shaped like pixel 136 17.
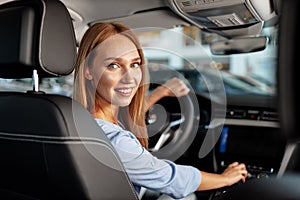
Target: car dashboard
pixel 249 134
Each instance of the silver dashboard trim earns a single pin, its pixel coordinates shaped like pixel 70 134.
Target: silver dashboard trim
pixel 243 122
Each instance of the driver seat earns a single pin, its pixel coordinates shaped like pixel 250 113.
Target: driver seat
pixel 50 146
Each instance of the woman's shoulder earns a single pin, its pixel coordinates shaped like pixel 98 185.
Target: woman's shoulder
pixel 112 130
pixel 120 138
pixel 107 125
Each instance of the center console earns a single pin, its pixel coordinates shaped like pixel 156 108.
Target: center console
pixel 259 145
pixel 260 148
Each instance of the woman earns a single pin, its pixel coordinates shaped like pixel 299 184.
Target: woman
pixel 111 82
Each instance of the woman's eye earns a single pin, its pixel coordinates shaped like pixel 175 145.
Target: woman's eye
pixel 135 65
pixel 113 66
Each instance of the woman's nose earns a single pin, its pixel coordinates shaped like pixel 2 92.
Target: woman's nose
pixel 128 76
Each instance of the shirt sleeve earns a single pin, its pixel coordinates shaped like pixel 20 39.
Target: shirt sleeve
pixel 155 174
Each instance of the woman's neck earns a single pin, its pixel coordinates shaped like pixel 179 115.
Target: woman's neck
pixel 109 113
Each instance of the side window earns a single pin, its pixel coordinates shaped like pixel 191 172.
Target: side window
pixel 57 85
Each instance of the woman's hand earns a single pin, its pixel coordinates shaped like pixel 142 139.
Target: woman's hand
pixel 235 172
pixel 174 88
pixel 231 175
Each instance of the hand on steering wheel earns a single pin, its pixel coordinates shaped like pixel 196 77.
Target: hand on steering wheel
pixel 175 129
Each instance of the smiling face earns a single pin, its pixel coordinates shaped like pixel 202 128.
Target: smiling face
pixel 116 70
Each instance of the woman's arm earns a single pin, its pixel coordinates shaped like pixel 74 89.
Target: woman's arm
pixel 172 88
pixel 232 174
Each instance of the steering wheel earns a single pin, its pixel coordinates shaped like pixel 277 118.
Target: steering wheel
pixel 172 126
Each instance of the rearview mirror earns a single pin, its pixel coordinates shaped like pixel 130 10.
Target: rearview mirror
pixel 239 45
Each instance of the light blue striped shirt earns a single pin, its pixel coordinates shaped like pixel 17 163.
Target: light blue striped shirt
pixel 145 170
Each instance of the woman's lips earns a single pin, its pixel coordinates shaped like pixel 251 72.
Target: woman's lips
pixel 124 91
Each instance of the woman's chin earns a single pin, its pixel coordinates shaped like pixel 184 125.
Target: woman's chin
pixel 122 103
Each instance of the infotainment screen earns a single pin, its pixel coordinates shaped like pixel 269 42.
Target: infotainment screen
pixel 256 146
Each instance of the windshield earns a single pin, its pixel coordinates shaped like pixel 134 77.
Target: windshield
pixel 184 52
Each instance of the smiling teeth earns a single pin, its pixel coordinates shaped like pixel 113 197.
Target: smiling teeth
pixel 125 90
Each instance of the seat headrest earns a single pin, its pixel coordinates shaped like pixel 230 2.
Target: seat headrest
pixel 36 34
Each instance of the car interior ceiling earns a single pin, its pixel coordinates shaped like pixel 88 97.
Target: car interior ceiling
pixel 61 131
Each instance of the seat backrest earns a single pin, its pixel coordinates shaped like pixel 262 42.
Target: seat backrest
pixel 50 146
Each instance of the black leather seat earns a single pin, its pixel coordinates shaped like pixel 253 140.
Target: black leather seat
pixel 50 146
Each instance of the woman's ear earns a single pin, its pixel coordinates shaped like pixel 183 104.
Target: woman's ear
pixel 87 73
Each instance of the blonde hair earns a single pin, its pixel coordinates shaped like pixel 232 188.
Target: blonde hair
pixel 132 116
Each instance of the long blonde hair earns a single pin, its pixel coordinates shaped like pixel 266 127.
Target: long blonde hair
pixel 132 116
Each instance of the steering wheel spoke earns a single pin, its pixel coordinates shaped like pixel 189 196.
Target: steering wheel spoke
pixel 172 130
pixel 167 132
pixel 161 141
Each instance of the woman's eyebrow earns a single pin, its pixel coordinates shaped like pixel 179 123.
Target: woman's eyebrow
pixel 136 59
pixel 111 58
pixel 118 58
